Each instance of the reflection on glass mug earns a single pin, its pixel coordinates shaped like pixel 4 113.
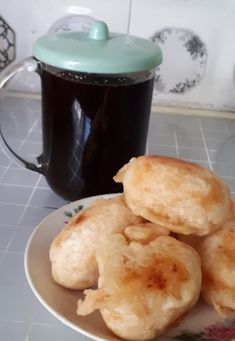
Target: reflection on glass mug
pixel 96 99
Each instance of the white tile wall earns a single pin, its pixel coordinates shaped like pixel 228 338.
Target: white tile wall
pixel 212 20
pixel 31 19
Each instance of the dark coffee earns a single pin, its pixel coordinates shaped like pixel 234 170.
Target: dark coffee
pixel 90 131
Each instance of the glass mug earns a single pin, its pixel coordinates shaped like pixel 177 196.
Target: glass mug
pixel 92 124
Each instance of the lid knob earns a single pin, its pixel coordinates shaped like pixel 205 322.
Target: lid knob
pixel 98 51
pixel 99 31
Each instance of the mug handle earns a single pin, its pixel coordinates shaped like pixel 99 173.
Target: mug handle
pixel 32 65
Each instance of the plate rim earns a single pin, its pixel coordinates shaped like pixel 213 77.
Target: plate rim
pixel 60 317
pixel 63 319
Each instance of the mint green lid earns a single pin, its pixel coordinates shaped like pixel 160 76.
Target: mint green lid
pixel 97 51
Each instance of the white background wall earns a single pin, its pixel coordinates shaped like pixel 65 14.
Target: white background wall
pixel 212 20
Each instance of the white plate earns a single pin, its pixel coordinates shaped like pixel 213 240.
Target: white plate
pixel 201 324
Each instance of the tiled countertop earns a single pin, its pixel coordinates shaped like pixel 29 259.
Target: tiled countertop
pixel 25 199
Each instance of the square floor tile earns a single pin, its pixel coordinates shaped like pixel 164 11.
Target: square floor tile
pixel 187 122
pixel 215 134
pixel 33 216
pixel 214 144
pixel 58 333
pixel 161 124
pixel 224 169
pixel 213 123
pixel 162 150
pixel 21 177
pixel 20 239
pixel 158 118
pixel 43 183
pixel 164 140
pixel 193 154
pixel 43 316
pixel 204 164
pixel 14 194
pixel 35 136
pixel 6 233
pixel 17 302
pixel 15 144
pixel 12 269
pixel 2 171
pixel 13 331
pixel 46 198
pixel 30 148
pixel 190 142
pixel 188 132
pixel 230 124
pixel 231 183
pixel 4 160
pixel 225 152
pixel 10 214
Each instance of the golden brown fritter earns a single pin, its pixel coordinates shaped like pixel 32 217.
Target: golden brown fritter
pixel 144 232
pixel 72 252
pixel 143 289
pixel 217 253
pixel 182 196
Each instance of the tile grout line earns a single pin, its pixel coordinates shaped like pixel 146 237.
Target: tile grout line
pixel 54 207
pixel 180 146
pixel 8 245
pixel 21 145
pixel 31 323
pixel 20 219
pixel 34 323
pixel 18 226
pixel 14 252
pixel 15 321
pixel 23 186
pixel 10 162
pixel 16 185
pixel 204 141
pixel 176 144
pixel 5 171
pixel 2 255
pixel 153 133
pixel 29 328
pixel 30 198
pixel 29 132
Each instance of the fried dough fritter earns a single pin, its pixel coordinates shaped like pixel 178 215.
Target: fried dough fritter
pixel 231 217
pixel 143 289
pixel 182 196
pixel 145 232
pixel 217 253
pixel 72 252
